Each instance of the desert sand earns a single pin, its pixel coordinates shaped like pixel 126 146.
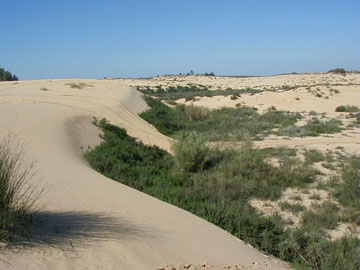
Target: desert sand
pixel 92 222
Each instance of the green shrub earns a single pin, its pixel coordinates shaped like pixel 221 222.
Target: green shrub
pixel 347 108
pixel 338 71
pixel 315 126
pixel 322 216
pixel 313 155
pixel 293 208
pixel 191 154
pixel 164 118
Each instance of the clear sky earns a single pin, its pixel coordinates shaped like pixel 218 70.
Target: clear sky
pixel 141 38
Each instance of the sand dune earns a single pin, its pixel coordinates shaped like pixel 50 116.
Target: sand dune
pixel 93 222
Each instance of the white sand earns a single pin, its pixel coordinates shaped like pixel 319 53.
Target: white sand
pixel 94 222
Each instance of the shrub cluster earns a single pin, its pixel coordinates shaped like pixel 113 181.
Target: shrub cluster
pixel 347 108
pixel 217 185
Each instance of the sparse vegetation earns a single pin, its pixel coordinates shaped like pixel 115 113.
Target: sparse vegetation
pixel 217 185
pixel 17 196
pixel 192 91
pixel 78 85
pixel 347 189
pixel 232 124
pixel 44 89
pixel 313 155
pixel 226 124
pixel 293 208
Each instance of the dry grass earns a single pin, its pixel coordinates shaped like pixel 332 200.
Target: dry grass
pixel 17 196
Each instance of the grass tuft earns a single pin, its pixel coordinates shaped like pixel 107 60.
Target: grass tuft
pixel 17 196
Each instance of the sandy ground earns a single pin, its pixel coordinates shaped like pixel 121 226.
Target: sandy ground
pixel 92 222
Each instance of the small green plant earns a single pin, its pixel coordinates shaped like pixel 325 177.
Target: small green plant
pixel 44 89
pixel 347 108
pixel 313 156
pixel 322 216
pixel 315 196
pixel 293 208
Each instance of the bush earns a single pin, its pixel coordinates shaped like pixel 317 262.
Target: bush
pixel 191 154
pixel 17 196
pixel 338 71
pixel 164 118
pixel 7 76
pixel 315 126
pixel 347 108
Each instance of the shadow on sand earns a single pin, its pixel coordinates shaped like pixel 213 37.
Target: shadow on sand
pixel 72 229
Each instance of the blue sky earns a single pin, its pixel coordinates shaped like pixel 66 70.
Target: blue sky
pixel 139 38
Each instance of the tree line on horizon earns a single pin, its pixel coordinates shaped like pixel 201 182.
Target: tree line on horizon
pixel 6 75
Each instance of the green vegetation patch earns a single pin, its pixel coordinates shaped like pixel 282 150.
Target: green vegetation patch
pixel 347 108
pixel 217 185
pixel 225 124
pixel 346 188
pixel 190 92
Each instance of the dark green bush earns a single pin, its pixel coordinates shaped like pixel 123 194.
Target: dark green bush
pixel 338 71
pixel 347 108
pixel 7 76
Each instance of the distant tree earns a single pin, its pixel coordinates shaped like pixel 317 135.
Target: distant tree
pixel 191 72
pixel 7 76
pixel 338 71
pixel 209 74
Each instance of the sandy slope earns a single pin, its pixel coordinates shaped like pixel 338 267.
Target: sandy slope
pixel 93 222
